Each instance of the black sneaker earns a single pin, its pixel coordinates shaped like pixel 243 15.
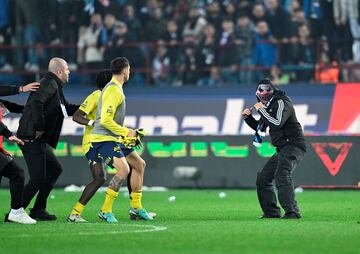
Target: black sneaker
pixel 270 216
pixel 292 215
pixel 42 215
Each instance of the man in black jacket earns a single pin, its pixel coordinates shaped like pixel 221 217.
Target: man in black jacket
pixel 40 127
pixel 277 112
pixel 8 167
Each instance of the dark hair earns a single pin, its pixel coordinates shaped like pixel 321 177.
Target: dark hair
pixel 118 64
pixel 102 78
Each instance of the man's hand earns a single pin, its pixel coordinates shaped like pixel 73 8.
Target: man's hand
pixel 259 105
pixel 247 112
pixel 30 87
pixel 17 140
pixel 38 134
pixel 132 133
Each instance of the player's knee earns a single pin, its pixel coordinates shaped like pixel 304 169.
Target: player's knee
pixel 140 166
pixel 100 180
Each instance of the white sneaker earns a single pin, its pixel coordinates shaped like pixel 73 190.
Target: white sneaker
pixel 75 218
pixel 20 216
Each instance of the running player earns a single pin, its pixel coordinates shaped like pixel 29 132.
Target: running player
pixel 85 115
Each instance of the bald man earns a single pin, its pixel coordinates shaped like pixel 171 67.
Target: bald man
pixel 39 128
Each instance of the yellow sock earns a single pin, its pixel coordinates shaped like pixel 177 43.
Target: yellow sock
pixel 78 208
pixel 110 196
pixel 135 200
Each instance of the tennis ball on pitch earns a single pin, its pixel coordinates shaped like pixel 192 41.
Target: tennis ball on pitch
pixel 172 199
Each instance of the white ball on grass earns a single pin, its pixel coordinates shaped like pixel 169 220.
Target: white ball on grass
pixel 172 199
pixel 222 194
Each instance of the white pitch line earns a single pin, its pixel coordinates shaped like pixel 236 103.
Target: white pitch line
pixel 141 229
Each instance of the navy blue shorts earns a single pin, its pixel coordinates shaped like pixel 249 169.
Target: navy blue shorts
pixel 104 152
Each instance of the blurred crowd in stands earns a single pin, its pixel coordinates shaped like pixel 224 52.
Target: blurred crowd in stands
pixel 187 42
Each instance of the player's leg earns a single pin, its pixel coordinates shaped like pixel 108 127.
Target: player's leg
pixel 265 189
pixel 137 165
pixel 99 177
pixel 113 156
pixel 34 155
pixel 53 170
pixel 289 158
pixel 112 191
pixel 16 181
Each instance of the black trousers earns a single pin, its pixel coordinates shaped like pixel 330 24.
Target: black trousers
pixel 16 182
pixel 44 170
pixel 279 167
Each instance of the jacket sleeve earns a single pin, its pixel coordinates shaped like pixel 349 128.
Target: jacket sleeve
pixel 13 107
pixel 8 90
pixel 4 131
pixel 71 108
pixel 279 115
pixel 252 122
pixel 40 97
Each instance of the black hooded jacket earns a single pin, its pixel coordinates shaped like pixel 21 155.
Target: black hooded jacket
pixel 280 116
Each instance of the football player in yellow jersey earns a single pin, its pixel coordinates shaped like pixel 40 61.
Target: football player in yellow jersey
pixel 110 150
pixel 85 115
pixel 108 130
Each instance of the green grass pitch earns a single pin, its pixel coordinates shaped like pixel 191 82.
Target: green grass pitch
pixel 197 222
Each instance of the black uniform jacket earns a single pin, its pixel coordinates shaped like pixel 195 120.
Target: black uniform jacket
pixel 42 111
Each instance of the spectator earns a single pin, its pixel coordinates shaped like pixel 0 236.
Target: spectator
pixel 326 71
pixel 206 52
pixel 195 23
pixel 347 11
pixel 6 33
pixel 230 11
pixel 280 25
pixel 189 67
pixel 133 23
pixel 304 54
pixel 172 38
pixel 278 77
pixel 69 16
pixel 29 15
pixel 107 33
pixel 213 14
pixel 213 80
pixel 90 55
pixel 161 66
pixel 264 54
pixel 258 13
pixel 245 31
pixel 156 26
pixel 228 52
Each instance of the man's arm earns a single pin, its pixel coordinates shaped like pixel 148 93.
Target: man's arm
pixel 13 107
pixel 12 90
pixel 89 105
pixel 249 119
pixel 277 118
pixel 71 108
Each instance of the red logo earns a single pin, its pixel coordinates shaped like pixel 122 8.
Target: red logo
pixel 332 166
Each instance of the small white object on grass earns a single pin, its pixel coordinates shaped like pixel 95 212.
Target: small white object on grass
pixel 299 190
pixel 172 199
pixel 222 194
